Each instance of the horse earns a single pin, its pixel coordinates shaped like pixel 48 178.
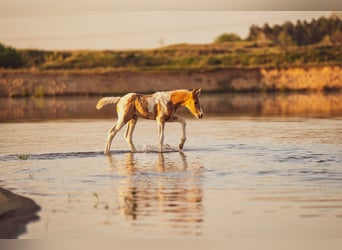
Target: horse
pixel 160 106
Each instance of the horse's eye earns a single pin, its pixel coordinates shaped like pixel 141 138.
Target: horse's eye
pixel 196 103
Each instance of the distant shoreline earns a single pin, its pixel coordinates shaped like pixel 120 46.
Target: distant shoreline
pixel 22 83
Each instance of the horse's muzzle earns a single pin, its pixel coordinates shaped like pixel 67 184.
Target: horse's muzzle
pixel 200 115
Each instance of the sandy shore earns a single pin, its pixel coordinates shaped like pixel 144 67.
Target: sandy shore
pixel 15 212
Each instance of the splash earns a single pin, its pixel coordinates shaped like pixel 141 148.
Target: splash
pixel 147 148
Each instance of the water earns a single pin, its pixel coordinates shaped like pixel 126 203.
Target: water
pixel 316 104
pixel 271 177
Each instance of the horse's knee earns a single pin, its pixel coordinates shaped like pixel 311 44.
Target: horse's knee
pixel 111 133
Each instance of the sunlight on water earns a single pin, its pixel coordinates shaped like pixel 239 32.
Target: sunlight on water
pixel 236 177
pixel 154 149
pixel 314 104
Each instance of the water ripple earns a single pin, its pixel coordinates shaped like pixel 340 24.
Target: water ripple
pixel 50 156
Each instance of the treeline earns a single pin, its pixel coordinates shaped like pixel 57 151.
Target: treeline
pixel 322 30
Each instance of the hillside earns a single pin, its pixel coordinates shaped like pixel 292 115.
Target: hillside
pixel 184 57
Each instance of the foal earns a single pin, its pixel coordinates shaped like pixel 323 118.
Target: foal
pixel 160 106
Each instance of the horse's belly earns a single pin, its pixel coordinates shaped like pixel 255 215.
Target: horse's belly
pixel 146 116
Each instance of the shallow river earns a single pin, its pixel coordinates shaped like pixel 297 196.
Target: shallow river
pixel 271 177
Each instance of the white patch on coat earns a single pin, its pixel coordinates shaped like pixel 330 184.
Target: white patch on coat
pixel 124 100
pixel 161 98
pixel 151 103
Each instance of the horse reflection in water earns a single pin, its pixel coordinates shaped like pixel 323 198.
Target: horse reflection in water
pixel 168 195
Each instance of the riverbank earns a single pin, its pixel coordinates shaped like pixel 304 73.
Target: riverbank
pixel 15 212
pixel 18 83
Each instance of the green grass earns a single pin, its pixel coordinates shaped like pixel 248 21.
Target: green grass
pixel 23 156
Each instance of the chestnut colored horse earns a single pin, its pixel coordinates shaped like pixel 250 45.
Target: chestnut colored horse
pixel 160 106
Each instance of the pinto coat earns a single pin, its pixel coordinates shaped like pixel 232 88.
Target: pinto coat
pixel 160 106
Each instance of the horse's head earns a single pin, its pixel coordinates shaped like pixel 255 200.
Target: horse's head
pixel 193 103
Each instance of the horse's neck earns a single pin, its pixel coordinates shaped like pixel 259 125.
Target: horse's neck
pixel 179 97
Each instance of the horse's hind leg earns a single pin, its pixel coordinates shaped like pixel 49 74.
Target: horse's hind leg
pixel 129 133
pixel 111 133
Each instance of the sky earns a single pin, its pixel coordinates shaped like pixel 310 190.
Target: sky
pixel 82 24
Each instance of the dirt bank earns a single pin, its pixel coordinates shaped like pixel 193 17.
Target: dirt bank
pixel 26 83
pixel 15 212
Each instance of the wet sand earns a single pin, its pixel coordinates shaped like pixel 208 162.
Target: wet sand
pixel 15 212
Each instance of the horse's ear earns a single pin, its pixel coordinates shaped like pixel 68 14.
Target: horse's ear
pixel 196 92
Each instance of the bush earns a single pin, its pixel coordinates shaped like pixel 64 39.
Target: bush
pixel 227 37
pixel 9 57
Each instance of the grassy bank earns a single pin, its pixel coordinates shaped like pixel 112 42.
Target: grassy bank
pixel 184 57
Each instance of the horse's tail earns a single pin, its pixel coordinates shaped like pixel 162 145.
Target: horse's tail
pixel 106 100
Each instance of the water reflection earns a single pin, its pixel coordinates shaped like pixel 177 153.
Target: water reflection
pixel 162 194
pixel 256 104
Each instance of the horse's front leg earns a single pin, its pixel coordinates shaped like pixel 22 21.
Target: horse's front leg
pixel 161 126
pixel 183 124
pixel 183 138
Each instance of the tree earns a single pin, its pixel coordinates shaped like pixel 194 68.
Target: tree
pixel 336 37
pixel 298 33
pixel 326 40
pixel 284 39
pixel 253 33
pixel 262 39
